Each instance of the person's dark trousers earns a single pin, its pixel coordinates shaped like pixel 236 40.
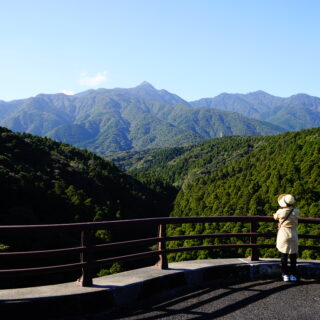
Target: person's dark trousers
pixel 293 263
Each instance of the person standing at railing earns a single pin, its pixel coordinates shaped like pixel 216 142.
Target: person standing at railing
pixel 287 237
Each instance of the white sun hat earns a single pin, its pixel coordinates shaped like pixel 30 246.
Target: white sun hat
pixel 286 200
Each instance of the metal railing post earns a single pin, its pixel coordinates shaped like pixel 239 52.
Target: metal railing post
pixel 163 259
pixel 85 257
pixel 253 240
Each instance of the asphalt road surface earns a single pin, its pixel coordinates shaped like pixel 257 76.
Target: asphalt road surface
pixel 267 299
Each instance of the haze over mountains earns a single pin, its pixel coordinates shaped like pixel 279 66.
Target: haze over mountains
pixel 111 120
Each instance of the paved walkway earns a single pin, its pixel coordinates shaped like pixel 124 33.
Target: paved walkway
pixel 115 281
pixel 256 300
pixel 128 289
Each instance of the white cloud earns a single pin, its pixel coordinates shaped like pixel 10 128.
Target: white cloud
pixel 68 92
pixel 93 81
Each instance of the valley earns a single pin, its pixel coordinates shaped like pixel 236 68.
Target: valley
pixel 161 155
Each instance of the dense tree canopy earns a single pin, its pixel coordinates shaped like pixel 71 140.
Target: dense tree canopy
pixel 236 176
pixel 250 185
pixel 287 163
pixel 43 181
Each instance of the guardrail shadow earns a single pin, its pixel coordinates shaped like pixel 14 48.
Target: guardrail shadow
pixel 222 300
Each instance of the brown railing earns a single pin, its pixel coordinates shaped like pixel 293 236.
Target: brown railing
pixel 87 248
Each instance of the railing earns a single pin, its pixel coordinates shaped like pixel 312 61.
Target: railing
pixel 87 248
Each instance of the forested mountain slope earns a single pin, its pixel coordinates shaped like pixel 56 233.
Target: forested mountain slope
pixel 236 176
pixel 250 185
pixel 179 165
pixel 43 181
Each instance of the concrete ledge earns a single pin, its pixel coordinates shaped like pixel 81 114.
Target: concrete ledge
pixel 127 288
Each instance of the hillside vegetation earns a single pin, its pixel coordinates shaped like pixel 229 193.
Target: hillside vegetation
pixel 176 166
pixel 288 163
pixel 45 182
pixel 250 184
pixel 238 176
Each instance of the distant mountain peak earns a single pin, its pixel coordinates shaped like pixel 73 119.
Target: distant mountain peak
pixel 82 93
pixel 258 93
pixel 146 85
pixel 304 95
pixel 223 94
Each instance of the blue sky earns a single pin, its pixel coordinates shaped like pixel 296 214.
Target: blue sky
pixel 194 48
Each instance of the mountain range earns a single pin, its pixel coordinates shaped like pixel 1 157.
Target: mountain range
pixel 299 111
pixel 106 121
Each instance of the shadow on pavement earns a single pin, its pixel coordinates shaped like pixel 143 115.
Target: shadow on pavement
pixel 228 301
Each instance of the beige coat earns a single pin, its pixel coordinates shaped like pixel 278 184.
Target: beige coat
pixel 287 237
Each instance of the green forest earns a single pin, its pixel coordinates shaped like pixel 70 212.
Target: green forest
pixel 43 181
pixel 236 176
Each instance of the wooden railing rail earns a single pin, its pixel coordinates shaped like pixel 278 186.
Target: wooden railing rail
pixel 87 248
